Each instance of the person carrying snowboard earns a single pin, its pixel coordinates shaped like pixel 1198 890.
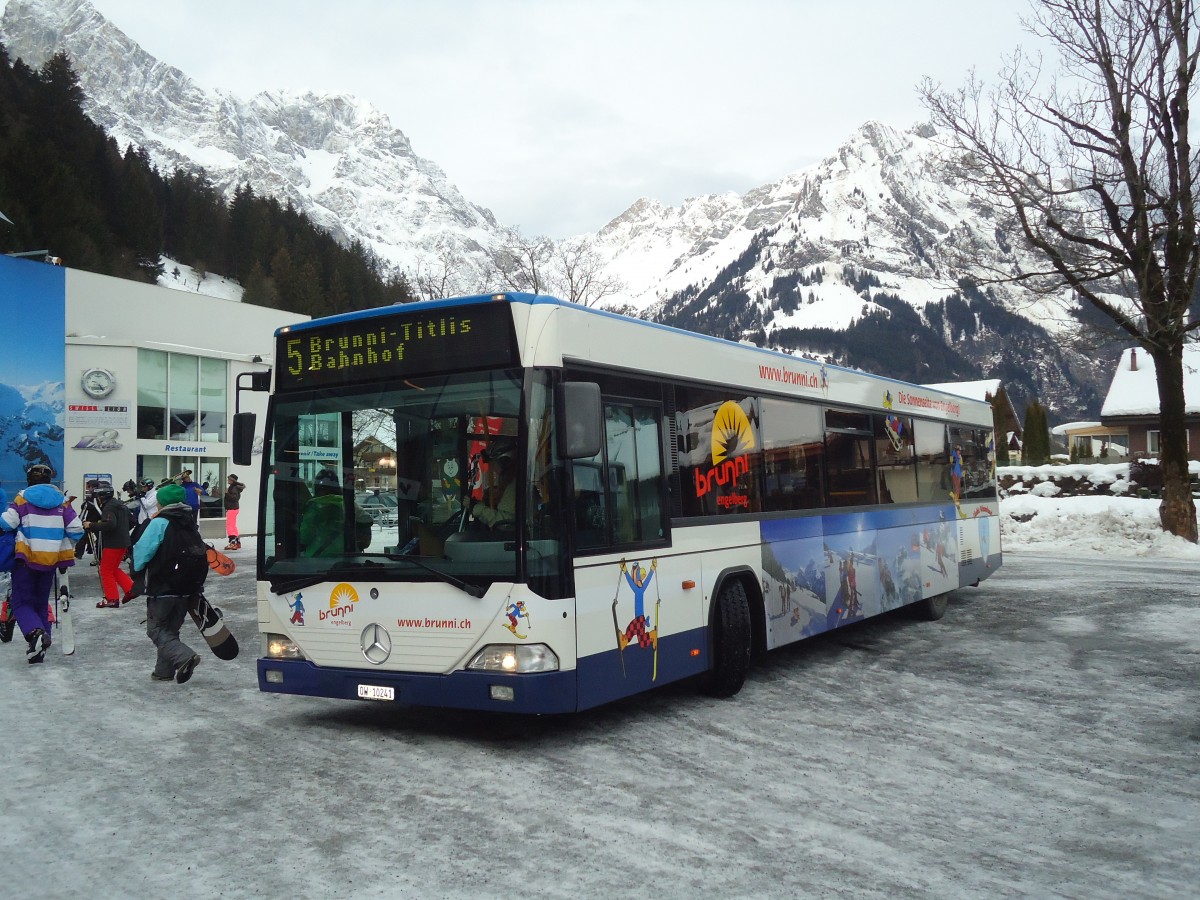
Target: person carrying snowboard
pixel 47 530
pixel 175 560
pixel 113 528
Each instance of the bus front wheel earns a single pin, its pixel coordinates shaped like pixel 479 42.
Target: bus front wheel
pixel 931 608
pixel 731 642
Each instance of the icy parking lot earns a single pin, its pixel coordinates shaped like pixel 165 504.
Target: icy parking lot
pixel 1041 740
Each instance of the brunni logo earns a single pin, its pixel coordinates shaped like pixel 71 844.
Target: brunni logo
pixel 341 602
pixel 732 438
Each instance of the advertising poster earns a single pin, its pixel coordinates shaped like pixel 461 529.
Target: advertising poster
pixel 32 390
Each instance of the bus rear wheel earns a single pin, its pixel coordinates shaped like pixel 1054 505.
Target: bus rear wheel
pixel 731 642
pixel 931 608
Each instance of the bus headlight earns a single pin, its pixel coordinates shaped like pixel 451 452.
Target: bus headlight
pixel 519 659
pixel 280 647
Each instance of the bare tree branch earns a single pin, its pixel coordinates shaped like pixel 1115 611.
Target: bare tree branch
pixel 1096 172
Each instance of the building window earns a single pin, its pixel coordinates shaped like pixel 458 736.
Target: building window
pixel 181 397
pixel 183 385
pixel 213 376
pixel 152 395
pixel 1152 446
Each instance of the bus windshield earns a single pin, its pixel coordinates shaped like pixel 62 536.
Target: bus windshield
pixel 437 478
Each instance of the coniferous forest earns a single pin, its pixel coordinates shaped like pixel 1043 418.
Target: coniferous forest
pixel 70 190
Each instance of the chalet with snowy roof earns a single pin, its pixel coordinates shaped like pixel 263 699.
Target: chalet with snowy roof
pixel 1131 407
pixel 987 391
pixel 1093 440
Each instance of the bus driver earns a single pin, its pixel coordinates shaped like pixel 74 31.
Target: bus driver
pixel 500 497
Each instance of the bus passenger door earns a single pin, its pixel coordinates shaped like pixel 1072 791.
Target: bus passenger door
pixel 633 607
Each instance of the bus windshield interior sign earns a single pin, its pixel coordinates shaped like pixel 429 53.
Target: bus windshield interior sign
pixel 389 347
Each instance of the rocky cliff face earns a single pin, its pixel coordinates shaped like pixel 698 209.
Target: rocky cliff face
pixel 871 258
pixel 331 155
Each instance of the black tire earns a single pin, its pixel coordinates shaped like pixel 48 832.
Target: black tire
pixel 731 642
pixel 931 608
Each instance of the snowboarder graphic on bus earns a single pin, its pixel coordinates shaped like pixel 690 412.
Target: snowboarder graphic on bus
pixel 516 612
pixel 297 608
pixel 956 472
pixel 893 424
pixel 639 580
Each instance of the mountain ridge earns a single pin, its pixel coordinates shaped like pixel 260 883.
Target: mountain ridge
pixel 826 261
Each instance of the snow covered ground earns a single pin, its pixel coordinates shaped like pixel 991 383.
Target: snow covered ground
pixel 1039 741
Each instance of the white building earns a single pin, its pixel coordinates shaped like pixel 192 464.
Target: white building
pixel 144 385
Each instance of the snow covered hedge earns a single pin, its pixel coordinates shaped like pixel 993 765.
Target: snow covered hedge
pixel 1077 480
pixel 1073 480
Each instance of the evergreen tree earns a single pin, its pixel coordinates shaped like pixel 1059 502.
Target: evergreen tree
pixel 1000 406
pixel 1036 449
pixel 68 189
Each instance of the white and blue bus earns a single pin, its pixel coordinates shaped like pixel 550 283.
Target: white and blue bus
pixel 588 505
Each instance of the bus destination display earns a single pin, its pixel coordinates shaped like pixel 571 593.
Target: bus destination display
pixel 389 347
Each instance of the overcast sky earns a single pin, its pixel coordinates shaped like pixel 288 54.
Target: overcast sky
pixel 557 115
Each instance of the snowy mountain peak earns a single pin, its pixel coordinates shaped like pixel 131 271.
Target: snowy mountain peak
pixel 330 154
pixel 875 232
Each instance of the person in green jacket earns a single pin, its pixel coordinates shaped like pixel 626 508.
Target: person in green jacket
pixel 323 523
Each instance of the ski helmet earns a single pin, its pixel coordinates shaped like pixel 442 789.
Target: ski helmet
pixel 103 491
pixel 39 473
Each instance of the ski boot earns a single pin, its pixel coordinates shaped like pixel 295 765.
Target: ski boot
pixel 39 643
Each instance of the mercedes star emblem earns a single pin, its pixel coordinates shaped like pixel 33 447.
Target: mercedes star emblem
pixel 376 644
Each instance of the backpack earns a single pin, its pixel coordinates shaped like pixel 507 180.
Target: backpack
pixel 181 563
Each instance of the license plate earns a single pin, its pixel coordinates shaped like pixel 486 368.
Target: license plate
pixel 376 692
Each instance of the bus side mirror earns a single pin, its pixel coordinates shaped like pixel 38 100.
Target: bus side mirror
pixel 578 406
pixel 243 438
pixel 243 422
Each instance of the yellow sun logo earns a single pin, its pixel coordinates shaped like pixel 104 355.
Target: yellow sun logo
pixel 731 432
pixel 341 595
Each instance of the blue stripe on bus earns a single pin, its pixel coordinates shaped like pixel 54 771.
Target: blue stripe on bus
pixel 549 692
pixel 608 676
pixel 598 679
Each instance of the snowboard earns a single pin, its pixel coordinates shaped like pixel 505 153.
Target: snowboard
pixel 212 626
pixel 63 623
pixel 219 562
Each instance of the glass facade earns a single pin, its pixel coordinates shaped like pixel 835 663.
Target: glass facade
pixel 181 397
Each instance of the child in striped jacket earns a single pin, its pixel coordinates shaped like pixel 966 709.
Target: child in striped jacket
pixel 47 531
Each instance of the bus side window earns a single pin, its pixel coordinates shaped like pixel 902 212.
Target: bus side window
pixel 618 493
pixel 590 516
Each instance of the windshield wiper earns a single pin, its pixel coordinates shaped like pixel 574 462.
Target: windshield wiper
pixel 299 583
pixel 473 589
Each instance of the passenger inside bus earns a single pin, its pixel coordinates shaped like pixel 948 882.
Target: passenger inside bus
pixel 323 523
